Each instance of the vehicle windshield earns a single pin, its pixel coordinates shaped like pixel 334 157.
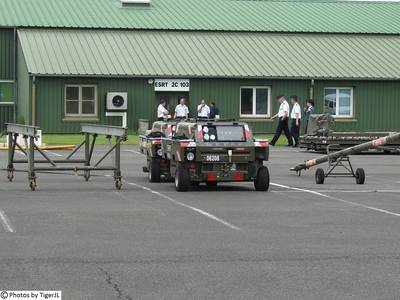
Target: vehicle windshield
pixel 223 133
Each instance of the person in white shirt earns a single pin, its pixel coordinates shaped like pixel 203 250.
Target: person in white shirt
pixel 283 116
pixel 295 117
pixel 203 110
pixel 181 110
pixel 162 112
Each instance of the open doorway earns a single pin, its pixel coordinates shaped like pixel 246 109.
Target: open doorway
pixel 172 99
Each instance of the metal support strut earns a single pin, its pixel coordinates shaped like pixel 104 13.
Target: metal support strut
pixel 90 132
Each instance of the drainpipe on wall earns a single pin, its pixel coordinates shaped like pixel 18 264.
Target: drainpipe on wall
pixel 33 123
pixel 15 76
pixel 312 89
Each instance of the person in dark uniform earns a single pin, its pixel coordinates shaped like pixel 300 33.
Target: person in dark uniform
pixel 214 110
pixel 283 125
pixel 308 111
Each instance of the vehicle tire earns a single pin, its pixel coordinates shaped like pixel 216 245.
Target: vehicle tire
pixel 154 171
pixel 182 179
pixel 319 176
pixel 261 183
pixel 360 176
pixel 211 183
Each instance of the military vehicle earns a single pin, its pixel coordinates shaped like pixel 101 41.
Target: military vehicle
pixel 212 151
pixel 150 145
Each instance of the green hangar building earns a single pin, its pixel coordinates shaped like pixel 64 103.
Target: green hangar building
pixel 60 59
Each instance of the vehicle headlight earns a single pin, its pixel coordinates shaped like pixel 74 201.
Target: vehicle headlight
pixel 190 156
pixel 159 152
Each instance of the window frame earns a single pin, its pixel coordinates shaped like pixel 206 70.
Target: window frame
pixel 254 114
pixel 13 92
pixel 80 101
pixel 336 115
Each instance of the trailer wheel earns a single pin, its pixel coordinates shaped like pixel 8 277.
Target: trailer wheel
pixel 360 176
pixel 10 175
pixel 86 175
pixel 261 183
pixel 182 180
pixel 32 184
pixel 154 171
pixel 319 176
pixel 118 184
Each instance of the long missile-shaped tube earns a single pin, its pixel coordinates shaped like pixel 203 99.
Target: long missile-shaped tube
pixel 348 151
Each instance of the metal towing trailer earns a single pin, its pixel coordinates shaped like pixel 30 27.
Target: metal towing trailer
pixel 341 159
pixel 90 132
pixel 321 137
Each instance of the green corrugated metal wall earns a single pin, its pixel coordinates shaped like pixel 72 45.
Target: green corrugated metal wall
pixel 24 90
pixel 6 54
pixel 50 106
pixel 376 105
pixel 6 115
pixel 142 101
pixel 226 93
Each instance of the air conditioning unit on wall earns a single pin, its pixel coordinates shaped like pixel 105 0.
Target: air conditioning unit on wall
pixel 117 101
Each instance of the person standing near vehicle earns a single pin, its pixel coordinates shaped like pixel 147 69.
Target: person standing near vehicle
pixel 203 110
pixel 162 112
pixel 214 111
pixel 181 110
pixel 283 116
pixel 295 117
pixel 308 111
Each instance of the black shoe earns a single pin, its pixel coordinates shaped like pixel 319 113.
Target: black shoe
pixel 272 144
pixel 290 145
pixel 295 146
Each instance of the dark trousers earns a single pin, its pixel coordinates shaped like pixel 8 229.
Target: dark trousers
pixel 295 131
pixel 282 126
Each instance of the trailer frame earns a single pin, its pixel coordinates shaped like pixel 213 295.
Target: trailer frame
pixel 90 133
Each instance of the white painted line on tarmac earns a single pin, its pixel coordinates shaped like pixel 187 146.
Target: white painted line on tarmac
pixel 151 208
pixel 346 191
pixel 133 151
pixel 388 212
pixel 53 153
pixel 6 222
pixel 198 210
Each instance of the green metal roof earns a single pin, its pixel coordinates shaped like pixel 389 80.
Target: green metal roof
pixel 213 15
pixel 209 54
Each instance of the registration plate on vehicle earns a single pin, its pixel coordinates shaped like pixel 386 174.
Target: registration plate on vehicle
pixel 212 157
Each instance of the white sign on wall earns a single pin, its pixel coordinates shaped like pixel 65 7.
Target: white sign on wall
pixel 172 85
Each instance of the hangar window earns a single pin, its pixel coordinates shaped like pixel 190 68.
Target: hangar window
pixel 339 101
pixel 254 101
pixel 80 100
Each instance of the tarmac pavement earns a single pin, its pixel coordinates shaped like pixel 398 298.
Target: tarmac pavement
pixel 297 241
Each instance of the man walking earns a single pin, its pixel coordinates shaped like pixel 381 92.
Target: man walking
pixel 203 110
pixel 283 116
pixel 295 117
